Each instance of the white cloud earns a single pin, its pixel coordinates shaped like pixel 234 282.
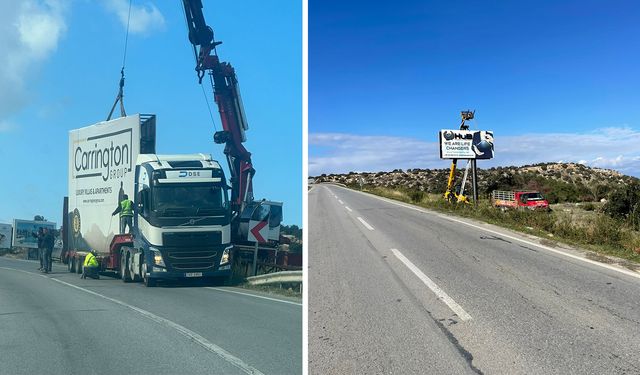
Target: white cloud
pixel 6 126
pixel 29 33
pixel 613 148
pixel 144 18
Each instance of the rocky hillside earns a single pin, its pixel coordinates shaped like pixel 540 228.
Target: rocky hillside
pixel 560 182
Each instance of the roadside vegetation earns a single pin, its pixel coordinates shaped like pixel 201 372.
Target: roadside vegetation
pixel 608 228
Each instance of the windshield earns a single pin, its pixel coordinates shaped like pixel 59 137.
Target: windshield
pixel 188 200
pixel 531 197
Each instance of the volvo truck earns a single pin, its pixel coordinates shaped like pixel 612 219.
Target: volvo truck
pixel 182 215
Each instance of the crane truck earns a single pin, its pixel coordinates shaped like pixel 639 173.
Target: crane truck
pixel 185 225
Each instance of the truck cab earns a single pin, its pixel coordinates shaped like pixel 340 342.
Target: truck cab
pixel 181 220
pixel 532 200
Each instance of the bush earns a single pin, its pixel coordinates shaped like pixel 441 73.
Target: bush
pixel 416 196
pixel 622 203
pixel 589 206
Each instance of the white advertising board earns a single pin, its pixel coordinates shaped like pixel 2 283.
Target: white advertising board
pixel 466 144
pixel 6 232
pixel 102 160
pixel 25 231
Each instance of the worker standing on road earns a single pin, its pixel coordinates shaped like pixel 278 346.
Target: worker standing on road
pixel 40 236
pixel 91 266
pixel 47 243
pixel 125 208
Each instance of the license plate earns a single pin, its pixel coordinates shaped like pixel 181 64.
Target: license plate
pixel 193 274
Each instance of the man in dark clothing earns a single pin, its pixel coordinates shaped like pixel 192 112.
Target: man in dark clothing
pixel 40 236
pixel 125 208
pixel 47 243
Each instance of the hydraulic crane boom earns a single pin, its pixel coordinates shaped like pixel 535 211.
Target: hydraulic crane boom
pixel 249 217
pixel 227 97
pixel 451 194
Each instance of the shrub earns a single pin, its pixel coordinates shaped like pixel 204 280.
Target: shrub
pixel 416 196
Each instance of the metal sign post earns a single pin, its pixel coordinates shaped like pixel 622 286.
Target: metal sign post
pixel 255 260
pixel 474 174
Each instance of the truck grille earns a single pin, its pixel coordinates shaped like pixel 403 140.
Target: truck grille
pixel 191 239
pixel 191 259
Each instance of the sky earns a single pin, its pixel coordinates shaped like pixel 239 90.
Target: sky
pixel 60 66
pixel 555 81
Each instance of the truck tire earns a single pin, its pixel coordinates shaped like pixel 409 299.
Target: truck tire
pixel 149 282
pixel 124 267
pixel 136 277
pixel 78 265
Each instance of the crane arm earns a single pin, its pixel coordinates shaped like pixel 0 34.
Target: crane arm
pixel 227 97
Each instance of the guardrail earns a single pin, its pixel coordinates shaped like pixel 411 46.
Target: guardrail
pixel 276 278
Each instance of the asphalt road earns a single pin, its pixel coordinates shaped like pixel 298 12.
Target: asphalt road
pixel 396 290
pixel 59 324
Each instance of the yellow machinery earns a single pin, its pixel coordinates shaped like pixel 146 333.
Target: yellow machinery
pixel 452 194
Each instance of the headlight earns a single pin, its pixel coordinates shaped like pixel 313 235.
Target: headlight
pixel 226 255
pixel 157 257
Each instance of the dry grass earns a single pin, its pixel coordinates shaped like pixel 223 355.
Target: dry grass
pixel 567 223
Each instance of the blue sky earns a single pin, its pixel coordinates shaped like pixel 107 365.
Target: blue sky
pixel 59 70
pixel 555 81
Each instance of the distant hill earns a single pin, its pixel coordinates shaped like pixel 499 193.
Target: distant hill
pixel 559 182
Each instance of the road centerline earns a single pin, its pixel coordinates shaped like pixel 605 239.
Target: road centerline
pixel 441 294
pixel 348 209
pixel 366 225
pixel 341 202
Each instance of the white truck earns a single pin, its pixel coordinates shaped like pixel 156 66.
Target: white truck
pixel 182 219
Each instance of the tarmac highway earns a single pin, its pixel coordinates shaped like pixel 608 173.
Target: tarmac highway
pixel 59 324
pixel 394 289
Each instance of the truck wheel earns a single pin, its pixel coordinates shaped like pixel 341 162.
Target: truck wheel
pixel 79 266
pixel 149 282
pixel 135 276
pixel 124 268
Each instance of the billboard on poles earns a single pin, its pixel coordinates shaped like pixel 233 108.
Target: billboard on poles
pixel 466 144
pixel 25 232
pixel 6 232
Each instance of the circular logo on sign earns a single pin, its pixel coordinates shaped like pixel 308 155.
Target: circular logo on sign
pixel 448 135
pixel 75 222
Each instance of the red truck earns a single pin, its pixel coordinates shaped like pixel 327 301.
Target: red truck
pixel 532 200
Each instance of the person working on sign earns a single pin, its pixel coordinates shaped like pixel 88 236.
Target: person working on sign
pixel 91 266
pixel 125 208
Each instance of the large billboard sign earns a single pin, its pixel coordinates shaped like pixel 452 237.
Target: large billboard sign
pixel 102 159
pixel 25 232
pixel 466 144
pixel 6 232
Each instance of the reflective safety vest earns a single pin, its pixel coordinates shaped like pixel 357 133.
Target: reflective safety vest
pixel 90 261
pixel 126 208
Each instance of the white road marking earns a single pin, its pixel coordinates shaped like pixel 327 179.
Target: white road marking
pixel 365 223
pixel 348 209
pixel 603 265
pixel 254 295
pixel 235 361
pixel 444 297
pixel 341 202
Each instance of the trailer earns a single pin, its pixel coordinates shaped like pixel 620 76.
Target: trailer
pixel 182 218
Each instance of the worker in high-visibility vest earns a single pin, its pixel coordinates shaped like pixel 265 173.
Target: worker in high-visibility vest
pixel 125 208
pixel 91 266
